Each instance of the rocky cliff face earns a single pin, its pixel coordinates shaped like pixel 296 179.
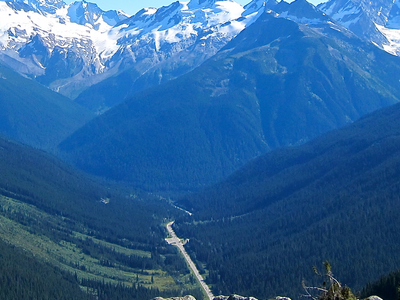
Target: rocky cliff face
pixel 376 21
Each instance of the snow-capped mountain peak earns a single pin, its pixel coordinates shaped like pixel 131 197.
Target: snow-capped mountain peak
pixel 48 6
pixel 70 47
pixel 82 12
pixel 179 21
pixel 65 44
pixel 199 12
pixel 40 6
pixel 258 5
pixel 301 11
pixel 377 21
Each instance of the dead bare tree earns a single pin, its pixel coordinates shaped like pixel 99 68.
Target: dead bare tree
pixel 331 288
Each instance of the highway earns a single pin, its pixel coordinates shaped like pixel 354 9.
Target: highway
pixel 174 240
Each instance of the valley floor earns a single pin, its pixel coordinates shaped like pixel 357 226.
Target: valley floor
pixel 176 241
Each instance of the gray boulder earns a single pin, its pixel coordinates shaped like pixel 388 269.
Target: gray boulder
pixel 374 298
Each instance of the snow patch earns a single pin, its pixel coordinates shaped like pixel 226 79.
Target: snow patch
pixel 302 20
pixel 393 35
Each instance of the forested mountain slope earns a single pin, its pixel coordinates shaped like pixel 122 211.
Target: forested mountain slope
pixel 103 237
pixel 351 151
pixel 23 277
pixel 335 198
pixel 282 81
pixel 387 287
pixel 33 114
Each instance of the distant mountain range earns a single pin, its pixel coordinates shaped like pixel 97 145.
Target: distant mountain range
pixel 290 76
pixel 70 48
pixel 242 80
pixel 54 43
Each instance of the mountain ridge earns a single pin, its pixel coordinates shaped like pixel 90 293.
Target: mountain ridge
pixel 265 89
pixel 90 45
pixel 94 50
pixel 374 21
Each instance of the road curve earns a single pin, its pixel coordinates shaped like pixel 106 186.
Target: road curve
pixel 174 240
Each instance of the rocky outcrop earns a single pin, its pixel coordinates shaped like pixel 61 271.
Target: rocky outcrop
pixel 188 297
pixel 231 297
pixel 234 297
pixel 374 298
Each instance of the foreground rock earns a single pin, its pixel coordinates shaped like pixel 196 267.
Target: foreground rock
pixel 188 297
pixel 231 297
pixel 234 297
pixel 374 298
pixel 237 297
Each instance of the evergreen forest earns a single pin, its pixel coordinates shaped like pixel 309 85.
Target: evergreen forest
pixel 335 198
pixel 64 231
